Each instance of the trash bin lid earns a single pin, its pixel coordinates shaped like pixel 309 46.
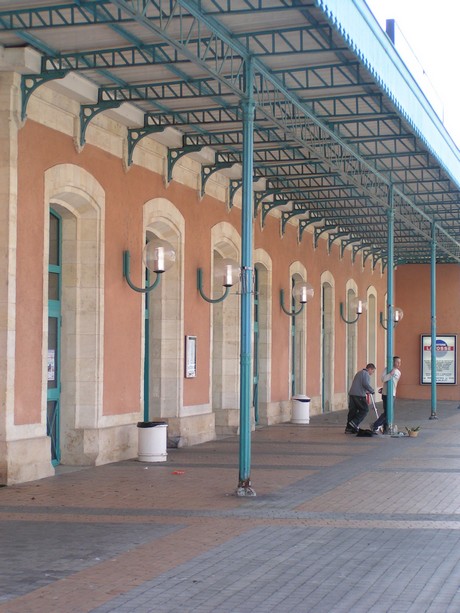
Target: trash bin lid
pixel 150 424
pixel 301 397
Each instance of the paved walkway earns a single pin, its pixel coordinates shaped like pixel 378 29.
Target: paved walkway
pixel 339 524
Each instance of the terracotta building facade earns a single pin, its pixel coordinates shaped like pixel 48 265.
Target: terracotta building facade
pixel 74 373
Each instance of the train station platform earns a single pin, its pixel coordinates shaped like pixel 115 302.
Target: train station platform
pixel 339 524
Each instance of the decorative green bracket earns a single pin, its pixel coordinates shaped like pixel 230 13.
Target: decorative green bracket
pixel 356 249
pixel 292 312
pixel 344 244
pixel 369 252
pixel 366 253
pixel 137 134
pixel 208 170
pixel 322 230
pixel 199 286
pixel 174 155
pixel 260 196
pixel 89 111
pixel 30 82
pixel 333 236
pixel 235 185
pixel 304 223
pixel 269 206
pixel 287 215
pixel 126 274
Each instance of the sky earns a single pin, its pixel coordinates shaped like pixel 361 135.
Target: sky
pixel 428 40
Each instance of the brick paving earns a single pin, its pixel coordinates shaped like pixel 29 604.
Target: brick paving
pixel 339 524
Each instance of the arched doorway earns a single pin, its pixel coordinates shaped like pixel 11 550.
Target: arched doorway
pixel 372 332
pixel 74 229
pixel 53 397
pixel 298 343
pixel 163 337
pixel 262 338
pixel 327 342
pixel 225 342
pixel 351 336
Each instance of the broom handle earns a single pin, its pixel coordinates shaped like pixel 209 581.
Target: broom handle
pixel 375 408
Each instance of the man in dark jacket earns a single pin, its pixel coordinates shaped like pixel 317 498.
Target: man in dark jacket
pixel 358 406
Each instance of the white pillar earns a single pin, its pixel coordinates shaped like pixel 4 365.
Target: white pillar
pixel 9 119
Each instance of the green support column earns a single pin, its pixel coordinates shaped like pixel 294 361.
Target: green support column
pixel 244 482
pixel 390 313
pixel 433 322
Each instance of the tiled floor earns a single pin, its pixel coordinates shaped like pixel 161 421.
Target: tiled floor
pixel 339 524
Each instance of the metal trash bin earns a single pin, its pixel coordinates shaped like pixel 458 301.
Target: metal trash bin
pixel 300 409
pixel 152 441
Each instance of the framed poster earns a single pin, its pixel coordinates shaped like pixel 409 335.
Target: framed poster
pixel 446 359
pixel 190 357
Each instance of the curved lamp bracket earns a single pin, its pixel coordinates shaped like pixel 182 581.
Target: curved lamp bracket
pixel 126 274
pixel 199 285
pixel 398 314
pixel 351 321
pixel 382 321
pixel 291 313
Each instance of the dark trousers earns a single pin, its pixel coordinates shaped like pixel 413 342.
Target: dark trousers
pixel 357 410
pixel 382 419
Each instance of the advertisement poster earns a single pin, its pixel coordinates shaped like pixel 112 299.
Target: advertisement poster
pixel 446 359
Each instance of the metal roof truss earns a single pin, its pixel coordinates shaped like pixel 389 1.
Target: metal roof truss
pixel 330 144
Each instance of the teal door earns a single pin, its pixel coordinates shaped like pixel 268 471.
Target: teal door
pixel 54 337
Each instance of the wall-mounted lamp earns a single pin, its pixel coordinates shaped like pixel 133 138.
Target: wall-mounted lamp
pixel 226 273
pixel 158 256
pixel 302 292
pixel 398 314
pixel 360 307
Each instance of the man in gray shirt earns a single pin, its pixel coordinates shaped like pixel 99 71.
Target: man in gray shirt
pixel 358 407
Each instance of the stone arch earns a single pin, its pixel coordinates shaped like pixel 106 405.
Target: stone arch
pixel 351 343
pixel 298 340
pixel 165 313
pixel 328 340
pixel 372 322
pixel 263 268
pixel 80 201
pixel 225 339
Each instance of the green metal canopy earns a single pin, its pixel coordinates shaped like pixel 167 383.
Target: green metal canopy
pixel 339 125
